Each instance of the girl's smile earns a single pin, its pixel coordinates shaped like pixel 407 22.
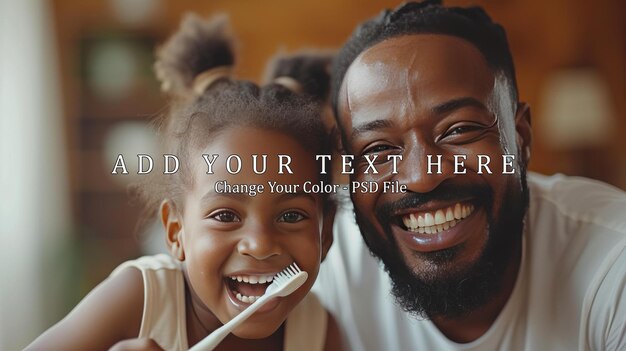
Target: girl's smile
pixel 244 289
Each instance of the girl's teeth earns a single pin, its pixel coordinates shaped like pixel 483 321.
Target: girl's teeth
pixel 246 299
pixel 253 279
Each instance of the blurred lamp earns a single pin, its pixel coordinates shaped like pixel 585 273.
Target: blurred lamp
pixel 576 110
pixel 130 139
pixel 112 69
pixel 136 12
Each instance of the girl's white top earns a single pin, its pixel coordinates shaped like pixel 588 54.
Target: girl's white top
pixel 164 320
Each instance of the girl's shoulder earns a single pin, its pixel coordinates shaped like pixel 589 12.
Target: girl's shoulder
pixel 111 312
pixel 150 263
pixel 164 300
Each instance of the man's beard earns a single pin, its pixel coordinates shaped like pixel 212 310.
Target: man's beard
pixel 450 291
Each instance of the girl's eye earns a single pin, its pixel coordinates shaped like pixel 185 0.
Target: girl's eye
pixel 291 217
pixel 225 216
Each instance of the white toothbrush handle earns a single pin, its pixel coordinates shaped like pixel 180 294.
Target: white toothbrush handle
pixel 213 339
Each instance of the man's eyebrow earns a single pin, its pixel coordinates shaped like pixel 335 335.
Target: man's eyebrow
pixel 456 104
pixel 370 126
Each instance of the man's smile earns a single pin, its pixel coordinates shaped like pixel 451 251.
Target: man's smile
pixel 440 226
pixel 433 222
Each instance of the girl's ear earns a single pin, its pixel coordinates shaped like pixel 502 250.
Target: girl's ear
pixel 335 137
pixel 327 228
pixel 173 229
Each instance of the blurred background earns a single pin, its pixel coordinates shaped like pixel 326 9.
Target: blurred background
pixel 77 88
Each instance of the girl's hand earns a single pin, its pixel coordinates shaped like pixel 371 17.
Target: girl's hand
pixel 136 345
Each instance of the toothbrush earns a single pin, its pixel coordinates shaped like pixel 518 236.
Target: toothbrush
pixel 284 283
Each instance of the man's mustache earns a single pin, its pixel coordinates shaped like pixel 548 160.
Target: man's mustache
pixel 447 192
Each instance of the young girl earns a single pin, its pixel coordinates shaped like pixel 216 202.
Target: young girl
pixel 226 241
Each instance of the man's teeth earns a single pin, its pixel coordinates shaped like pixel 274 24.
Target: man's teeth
pixel 253 279
pixel 437 221
pixel 246 299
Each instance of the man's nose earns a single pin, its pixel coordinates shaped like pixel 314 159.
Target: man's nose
pixel 414 170
pixel 259 242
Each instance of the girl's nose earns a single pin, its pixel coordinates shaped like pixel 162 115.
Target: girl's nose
pixel 260 243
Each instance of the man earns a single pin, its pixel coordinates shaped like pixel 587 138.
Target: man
pixel 475 258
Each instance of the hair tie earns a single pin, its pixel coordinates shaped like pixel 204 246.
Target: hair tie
pixel 289 83
pixel 205 79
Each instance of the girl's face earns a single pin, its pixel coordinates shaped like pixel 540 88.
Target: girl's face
pixel 233 243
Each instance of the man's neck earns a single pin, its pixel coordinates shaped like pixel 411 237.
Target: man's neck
pixel 470 327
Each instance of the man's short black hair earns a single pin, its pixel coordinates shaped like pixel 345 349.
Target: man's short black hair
pixel 431 17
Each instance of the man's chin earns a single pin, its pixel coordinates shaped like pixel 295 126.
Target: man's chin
pixel 434 263
pixel 440 285
pixel 448 283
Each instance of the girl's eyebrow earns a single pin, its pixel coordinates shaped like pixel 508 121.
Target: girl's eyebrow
pixel 211 194
pixel 206 198
pixel 297 194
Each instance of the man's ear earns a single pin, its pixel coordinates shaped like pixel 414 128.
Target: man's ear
pixel 524 132
pixel 327 228
pixel 173 229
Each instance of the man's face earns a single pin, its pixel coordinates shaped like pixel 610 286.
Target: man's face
pixel 447 241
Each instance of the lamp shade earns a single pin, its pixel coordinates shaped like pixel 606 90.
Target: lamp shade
pixel 576 110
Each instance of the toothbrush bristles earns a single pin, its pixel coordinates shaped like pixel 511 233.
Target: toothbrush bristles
pixel 287 273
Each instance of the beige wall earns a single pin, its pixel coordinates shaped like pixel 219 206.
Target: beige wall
pixel 544 36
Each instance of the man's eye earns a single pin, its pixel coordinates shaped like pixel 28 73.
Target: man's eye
pixel 291 217
pixel 463 129
pixel 376 149
pixel 225 216
pixel 463 133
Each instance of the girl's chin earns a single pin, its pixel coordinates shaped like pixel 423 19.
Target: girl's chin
pixel 260 330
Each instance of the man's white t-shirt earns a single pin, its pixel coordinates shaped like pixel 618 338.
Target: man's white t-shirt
pixel 570 293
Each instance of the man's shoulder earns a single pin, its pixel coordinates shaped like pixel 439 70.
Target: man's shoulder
pixel 593 205
pixel 603 317
pixel 576 231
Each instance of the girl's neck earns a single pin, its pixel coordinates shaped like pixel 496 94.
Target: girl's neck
pixel 202 322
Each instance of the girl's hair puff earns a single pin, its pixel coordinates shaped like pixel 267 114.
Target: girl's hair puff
pixel 195 117
pixel 310 68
